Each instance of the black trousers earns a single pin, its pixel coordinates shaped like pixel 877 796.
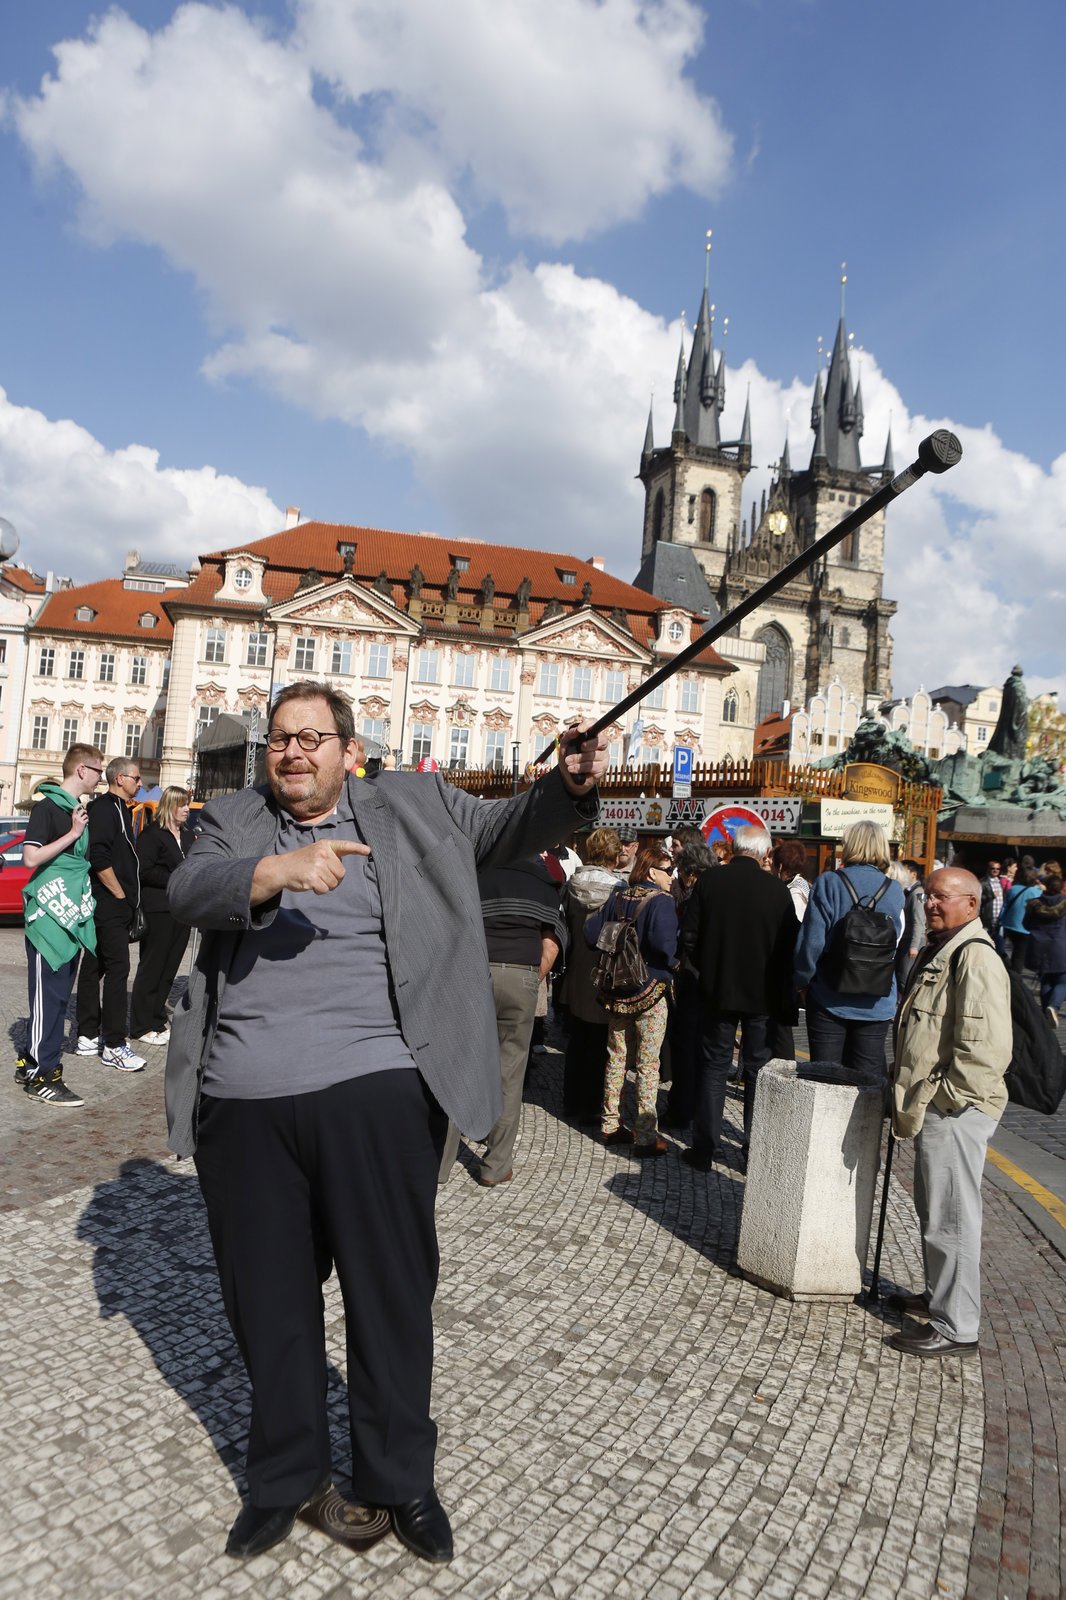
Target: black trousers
pixel 583 1070
pixel 719 1032
pixel 110 966
pixel 345 1176
pixel 859 1046
pixel 161 951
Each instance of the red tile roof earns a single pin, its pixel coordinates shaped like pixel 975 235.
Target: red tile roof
pixel 117 610
pixel 314 545
pixel 772 735
pixel 29 581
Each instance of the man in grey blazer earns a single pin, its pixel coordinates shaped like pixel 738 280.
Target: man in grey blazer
pixel 339 1012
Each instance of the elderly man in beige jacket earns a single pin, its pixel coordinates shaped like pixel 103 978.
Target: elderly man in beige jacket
pixel 953 1047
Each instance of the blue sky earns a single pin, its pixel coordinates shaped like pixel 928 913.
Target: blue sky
pixel 335 254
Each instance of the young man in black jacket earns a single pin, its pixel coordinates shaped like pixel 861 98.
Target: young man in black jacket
pixel 117 891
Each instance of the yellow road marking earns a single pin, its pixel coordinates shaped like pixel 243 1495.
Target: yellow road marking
pixel 1043 1197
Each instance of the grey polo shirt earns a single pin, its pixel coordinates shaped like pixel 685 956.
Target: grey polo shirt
pixel 308 1001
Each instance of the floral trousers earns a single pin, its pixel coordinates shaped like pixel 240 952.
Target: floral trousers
pixel 635 1040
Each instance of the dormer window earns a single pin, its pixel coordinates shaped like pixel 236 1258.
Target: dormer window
pixel 345 550
pixel 147 619
pixel 242 578
pixel 461 563
pixel 677 631
pixel 84 614
pixel 568 577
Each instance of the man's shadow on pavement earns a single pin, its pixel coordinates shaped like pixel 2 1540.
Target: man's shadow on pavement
pixel 154 1266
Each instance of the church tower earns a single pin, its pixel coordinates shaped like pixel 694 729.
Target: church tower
pixel 830 622
pixel 692 487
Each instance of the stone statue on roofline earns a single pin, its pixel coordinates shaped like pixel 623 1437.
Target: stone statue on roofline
pixel 451 584
pixel 586 593
pixel 522 594
pixel 382 585
pixel 415 581
pixel 488 589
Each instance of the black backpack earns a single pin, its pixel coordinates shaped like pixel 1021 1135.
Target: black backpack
pixel 1036 1077
pixel 620 969
pixel 862 955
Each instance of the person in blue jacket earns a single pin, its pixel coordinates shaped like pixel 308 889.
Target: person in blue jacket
pixel 847 1029
pixel 1012 919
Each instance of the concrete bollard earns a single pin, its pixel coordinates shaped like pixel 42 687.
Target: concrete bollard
pixel 809 1194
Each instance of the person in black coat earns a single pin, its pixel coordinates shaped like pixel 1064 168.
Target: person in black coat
pixel 738 934
pixel 162 845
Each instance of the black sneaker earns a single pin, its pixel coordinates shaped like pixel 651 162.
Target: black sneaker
pixel 22 1069
pixel 52 1090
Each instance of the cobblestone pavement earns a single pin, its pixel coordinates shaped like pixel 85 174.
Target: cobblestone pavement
pixel 620 1413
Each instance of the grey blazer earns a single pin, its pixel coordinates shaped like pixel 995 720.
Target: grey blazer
pixel 428 839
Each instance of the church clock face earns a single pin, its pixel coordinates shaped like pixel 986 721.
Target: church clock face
pixel 778 521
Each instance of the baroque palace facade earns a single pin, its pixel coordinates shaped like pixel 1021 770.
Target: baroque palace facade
pixel 474 654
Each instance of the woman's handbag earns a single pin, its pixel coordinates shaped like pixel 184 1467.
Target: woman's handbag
pixel 138 926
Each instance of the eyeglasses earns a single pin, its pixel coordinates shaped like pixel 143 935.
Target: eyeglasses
pixel 88 768
pixel 307 739
pixel 958 894
pixel 135 776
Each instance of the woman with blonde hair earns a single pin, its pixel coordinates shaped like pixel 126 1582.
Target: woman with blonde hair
pixel 162 845
pixel 845 1027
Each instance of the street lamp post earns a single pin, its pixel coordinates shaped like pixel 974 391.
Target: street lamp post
pixel 515 749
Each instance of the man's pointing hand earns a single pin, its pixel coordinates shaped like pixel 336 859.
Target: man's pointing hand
pixel 320 867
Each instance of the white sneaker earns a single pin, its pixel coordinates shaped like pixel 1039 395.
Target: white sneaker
pixel 156 1036
pixel 1052 1015
pixel 122 1057
pixel 86 1046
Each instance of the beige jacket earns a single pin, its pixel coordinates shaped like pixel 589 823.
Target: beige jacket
pixel 953 1034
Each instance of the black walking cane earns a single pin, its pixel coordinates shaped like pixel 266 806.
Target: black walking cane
pixel 937 453
pixel 873 1293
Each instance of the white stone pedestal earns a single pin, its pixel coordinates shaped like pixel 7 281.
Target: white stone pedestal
pixel 809 1195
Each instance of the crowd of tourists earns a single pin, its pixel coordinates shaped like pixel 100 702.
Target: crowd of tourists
pixel 414 929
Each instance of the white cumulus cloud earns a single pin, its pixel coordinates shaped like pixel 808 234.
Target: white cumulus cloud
pixel 78 507
pixel 318 185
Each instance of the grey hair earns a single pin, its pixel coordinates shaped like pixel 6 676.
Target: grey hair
pixel 752 841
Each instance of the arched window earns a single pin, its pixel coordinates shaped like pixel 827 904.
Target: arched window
pixel 657 516
pixel 729 706
pixel 708 510
pixel 775 674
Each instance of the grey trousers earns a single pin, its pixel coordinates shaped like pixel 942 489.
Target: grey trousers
pixel 949 1160
pixel 515 993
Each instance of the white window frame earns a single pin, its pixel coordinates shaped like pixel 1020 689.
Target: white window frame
pixel 40 731
pixel 581 683
pixel 458 748
pixel 689 695
pixel 421 741
pixel 101 734
pixel 427 666
pixel 496 749
pixel 614 685
pixel 139 669
pixel 76 664
pixel 377 661
pixel 259 644
pixel 464 669
pixel 215 646
pixel 303 653
pixel 46 664
pixel 548 679
pixel 106 673
pixel 71 729
pixel 341 659
pixel 134 736
pixel 500 674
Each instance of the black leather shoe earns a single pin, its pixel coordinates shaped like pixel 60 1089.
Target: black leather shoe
pixel 258 1528
pixel 423 1526
pixel 925 1340
pixel 908 1305
pixel 699 1160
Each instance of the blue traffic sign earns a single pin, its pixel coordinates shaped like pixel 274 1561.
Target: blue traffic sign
pixel 682 764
